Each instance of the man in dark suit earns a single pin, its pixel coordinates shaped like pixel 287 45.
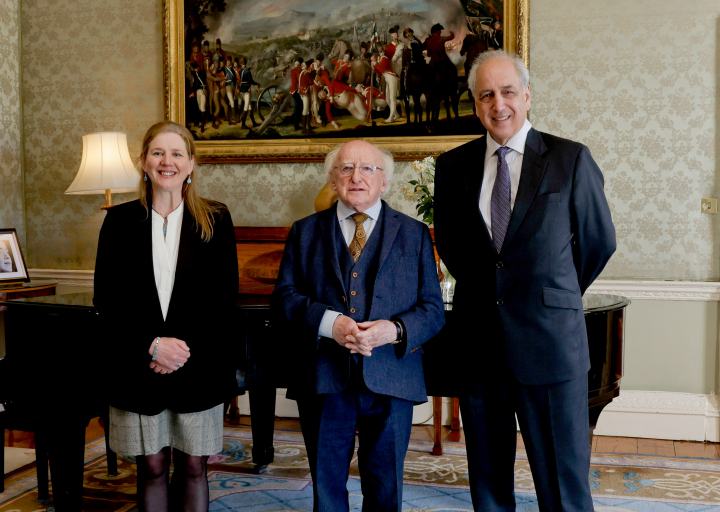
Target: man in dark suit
pixel 358 290
pixel 522 222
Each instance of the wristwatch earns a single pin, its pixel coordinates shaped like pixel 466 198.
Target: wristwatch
pixel 399 328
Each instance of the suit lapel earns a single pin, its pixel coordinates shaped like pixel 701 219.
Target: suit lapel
pixel 390 228
pixel 328 223
pixel 533 170
pixel 474 186
pixel 187 256
pixel 148 268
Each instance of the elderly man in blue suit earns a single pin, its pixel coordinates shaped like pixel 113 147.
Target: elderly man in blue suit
pixel 522 222
pixel 359 293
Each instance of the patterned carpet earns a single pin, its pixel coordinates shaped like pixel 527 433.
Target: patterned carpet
pixel 620 483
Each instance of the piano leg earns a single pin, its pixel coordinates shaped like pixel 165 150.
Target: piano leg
pixel 41 465
pixel 110 456
pixel 455 424
pixel 66 446
pixel 594 412
pixel 262 419
pixel 234 413
pixel 437 425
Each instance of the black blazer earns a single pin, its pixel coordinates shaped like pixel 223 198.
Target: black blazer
pixel 525 302
pixel 200 313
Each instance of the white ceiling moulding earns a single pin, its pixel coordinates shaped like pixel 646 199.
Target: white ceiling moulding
pixel 699 291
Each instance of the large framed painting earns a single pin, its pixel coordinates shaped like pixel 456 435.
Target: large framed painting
pixel 260 80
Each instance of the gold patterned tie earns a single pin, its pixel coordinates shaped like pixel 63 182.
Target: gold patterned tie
pixel 358 241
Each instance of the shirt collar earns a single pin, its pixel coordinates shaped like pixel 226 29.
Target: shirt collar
pixel 516 142
pixel 343 212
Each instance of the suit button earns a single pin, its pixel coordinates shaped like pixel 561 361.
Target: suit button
pixel 342 298
pixel 354 274
pixel 352 310
pixel 499 264
pixel 500 302
pixel 353 293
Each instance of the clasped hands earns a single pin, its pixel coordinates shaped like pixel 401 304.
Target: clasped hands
pixel 362 338
pixel 172 354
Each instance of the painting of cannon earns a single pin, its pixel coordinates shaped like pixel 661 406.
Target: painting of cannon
pixel 277 80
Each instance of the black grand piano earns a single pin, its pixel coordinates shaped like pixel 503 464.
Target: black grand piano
pixel 59 333
pixel 51 341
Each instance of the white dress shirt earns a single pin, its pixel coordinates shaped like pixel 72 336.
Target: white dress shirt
pixel 347 226
pixel 165 253
pixel 514 160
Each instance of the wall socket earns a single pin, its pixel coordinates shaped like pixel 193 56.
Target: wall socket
pixel 708 205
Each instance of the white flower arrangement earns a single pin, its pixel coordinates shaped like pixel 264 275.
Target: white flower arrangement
pixel 422 190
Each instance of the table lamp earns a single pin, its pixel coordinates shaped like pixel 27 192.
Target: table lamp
pixel 106 167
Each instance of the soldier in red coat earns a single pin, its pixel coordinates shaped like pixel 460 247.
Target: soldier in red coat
pixel 374 98
pixel 342 99
pixel 383 67
pixel 436 45
pixel 342 67
pixel 197 56
pixel 305 83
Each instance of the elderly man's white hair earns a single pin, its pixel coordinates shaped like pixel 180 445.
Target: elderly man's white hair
pixel 498 54
pixel 388 164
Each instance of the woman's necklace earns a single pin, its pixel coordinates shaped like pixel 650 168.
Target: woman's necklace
pixel 164 221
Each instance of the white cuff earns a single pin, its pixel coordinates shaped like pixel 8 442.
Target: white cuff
pixel 326 324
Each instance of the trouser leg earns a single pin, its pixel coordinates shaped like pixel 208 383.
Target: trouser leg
pixel 554 423
pixel 328 423
pixel 384 433
pixel 391 96
pixel 491 440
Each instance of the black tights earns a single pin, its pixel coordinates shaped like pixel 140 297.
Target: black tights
pixel 190 492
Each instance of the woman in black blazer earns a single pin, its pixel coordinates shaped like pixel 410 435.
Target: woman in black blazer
pixel 166 280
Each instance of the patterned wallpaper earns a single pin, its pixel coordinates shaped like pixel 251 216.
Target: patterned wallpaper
pixel 88 66
pixel 279 194
pixel 11 182
pixel 635 81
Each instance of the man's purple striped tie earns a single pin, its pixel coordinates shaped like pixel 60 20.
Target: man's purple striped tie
pixel 500 201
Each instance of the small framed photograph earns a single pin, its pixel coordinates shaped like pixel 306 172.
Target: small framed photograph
pixel 12 263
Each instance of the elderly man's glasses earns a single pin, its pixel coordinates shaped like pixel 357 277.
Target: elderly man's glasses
pixel 348 169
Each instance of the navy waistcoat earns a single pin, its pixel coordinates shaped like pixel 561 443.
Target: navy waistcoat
pixel 359 277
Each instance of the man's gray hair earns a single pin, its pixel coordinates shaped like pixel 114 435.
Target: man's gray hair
pixel 481 59
pixel 388 164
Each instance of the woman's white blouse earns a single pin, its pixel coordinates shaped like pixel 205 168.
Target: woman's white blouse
pixel 165 253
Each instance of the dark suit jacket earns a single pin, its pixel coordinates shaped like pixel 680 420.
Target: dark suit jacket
pixel 200 312
pixel 406 287
pixel 527 300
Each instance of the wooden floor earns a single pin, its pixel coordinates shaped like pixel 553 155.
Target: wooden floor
pixel 425 432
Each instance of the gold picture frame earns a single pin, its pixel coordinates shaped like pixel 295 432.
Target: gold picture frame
pixel 515 37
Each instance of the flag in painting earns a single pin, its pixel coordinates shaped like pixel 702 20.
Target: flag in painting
pixel 374 34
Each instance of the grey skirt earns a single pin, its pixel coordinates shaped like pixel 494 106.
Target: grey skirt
pixel 195 433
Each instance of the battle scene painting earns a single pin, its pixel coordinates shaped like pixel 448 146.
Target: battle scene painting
pixel 322 69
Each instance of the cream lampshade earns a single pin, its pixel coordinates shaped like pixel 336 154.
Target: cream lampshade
pixel 106 167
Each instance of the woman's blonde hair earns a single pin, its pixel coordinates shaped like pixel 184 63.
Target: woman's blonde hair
pixel 202 210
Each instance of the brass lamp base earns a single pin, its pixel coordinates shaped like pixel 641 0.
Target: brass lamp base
pixel 108 200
